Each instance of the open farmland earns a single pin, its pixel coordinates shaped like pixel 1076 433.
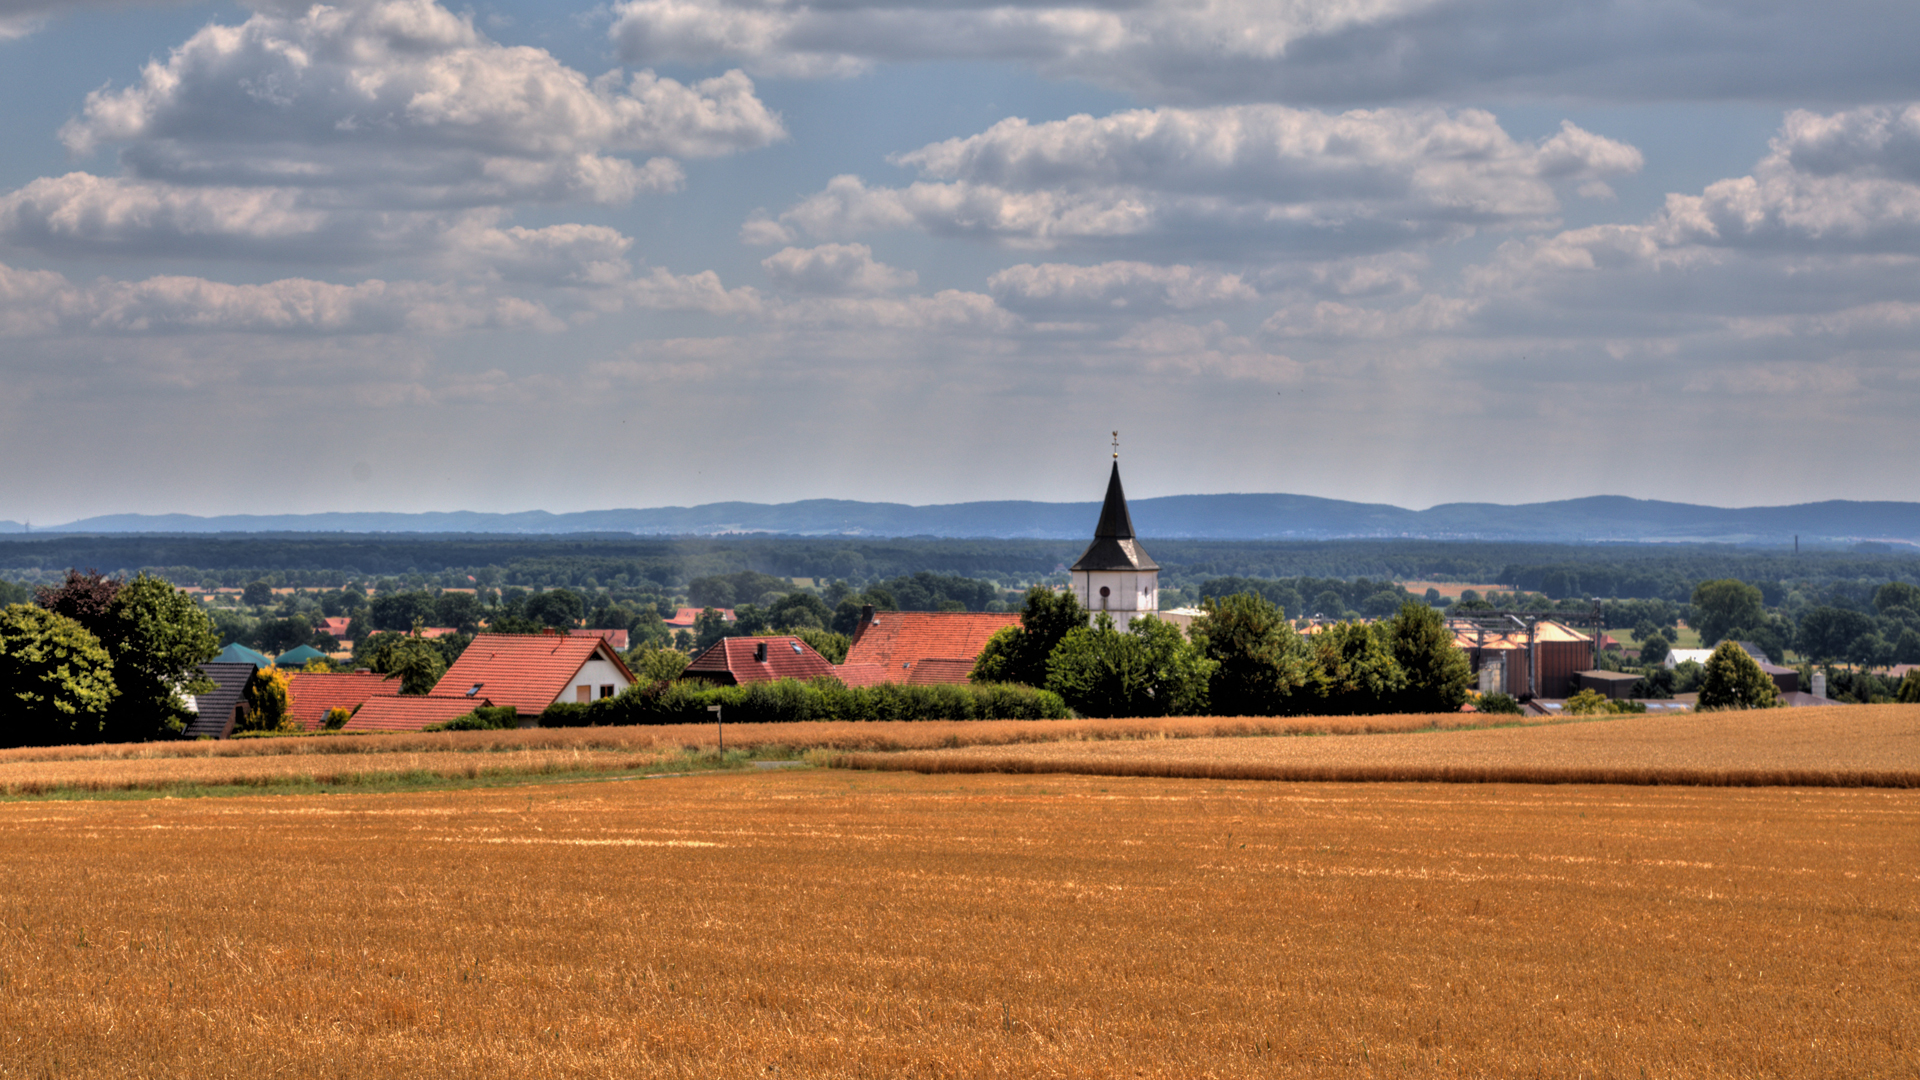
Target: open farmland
pixel 502 755
pixel 1844 745
pixel 865 924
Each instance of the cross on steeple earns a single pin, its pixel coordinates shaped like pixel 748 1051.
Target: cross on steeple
pixel 1116 446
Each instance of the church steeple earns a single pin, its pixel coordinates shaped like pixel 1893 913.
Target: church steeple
pixel 1114 546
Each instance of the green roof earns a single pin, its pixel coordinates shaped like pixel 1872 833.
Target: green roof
pixel 299 657
pixel 236 653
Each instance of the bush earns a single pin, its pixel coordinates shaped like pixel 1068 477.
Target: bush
pixel 1499 704
pixel 484 718
pixel 793 701
pixel 337 717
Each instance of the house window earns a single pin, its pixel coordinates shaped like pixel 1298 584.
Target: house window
pixel 606 690
pixel 583 694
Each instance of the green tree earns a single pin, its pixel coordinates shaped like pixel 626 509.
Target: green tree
pixel 1910 689
pixel 1260 660
pixel 1438 674
pixel 1733 680
pixel 257 594
pixel 1654 649
pixel 419 663
pixel 399 611
pixel 1151 670
pixel 1354 671
pixel 559 608
pixel 1723 605
pixel 1829 634
pixel 708 627
pixel 656 665
pixel 828 644
pixel 56 679
pixel 1897 598
pixel 460 610
pixel 799 609
pixel 1018 654
pixel 157 636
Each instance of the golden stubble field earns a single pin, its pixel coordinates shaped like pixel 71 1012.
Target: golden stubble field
pixel 827 923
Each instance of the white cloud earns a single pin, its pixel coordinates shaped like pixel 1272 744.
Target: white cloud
pixel 1114 287
pixel 1229 180
pixel 834 270
pixel 1323 51
pixel 352 131
pixel 41 303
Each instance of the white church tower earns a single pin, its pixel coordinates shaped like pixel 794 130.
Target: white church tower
pixel 1115 574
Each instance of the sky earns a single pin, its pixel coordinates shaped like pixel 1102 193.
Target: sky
pixel 279 257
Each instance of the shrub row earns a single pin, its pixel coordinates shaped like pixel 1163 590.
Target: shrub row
pixel 791 701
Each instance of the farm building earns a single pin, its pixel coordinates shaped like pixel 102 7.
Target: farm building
pixel 217 711
pixel 1524 659
pixel 738 660
pixel 533 671
pixel 919 646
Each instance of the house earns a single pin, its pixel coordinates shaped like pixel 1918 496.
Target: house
pixel 616 638
pixel 1115 574
pixel 393 712
pixel 335 626
pixel 236 653
pixel 1786 678
pixel 919 646
pixel 298 657
pixel 684 618
pixel 533 671
pixel 217 711
pixel 737 660
pixel 310 694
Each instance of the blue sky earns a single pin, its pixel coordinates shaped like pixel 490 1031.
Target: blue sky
pixel 395 255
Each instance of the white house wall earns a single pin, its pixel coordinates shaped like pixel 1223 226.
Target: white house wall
pixel 1131 593
pixel 593 674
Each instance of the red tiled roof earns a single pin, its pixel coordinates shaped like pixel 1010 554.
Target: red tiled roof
pixel 787 658
pixel 615 638
pixel 311 693
pixel 437 631
pixel 526 671
pixel 937 670
pixel 336 626
pixel 901 642
pixel 396 713
pixel 859 674
pixel 686 616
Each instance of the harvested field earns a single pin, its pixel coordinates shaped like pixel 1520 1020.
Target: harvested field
pixel 837 924
pixel 138 766
pixel 1847 746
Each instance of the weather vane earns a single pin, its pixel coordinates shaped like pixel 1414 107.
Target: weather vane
pixel 1116 446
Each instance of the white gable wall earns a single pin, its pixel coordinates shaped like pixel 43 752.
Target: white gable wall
pixel 595 673
pixel 1130 593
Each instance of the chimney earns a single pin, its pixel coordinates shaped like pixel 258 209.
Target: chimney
pixel 760 652
pixel 866 613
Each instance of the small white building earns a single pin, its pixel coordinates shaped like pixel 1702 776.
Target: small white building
pixel 1115 574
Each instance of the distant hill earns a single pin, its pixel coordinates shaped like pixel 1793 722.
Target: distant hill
pixel 1598 519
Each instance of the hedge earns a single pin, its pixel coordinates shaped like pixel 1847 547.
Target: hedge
pixel 793 701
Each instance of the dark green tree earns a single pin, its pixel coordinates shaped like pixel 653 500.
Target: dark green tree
pixel 1910 689
pixel 1438 674
pixel 157 636
pixel 1830 634
pixel 56 679
pixel 1654 649
pixel 1723 605
pixel 1019 654
pixel 419 663
pixel 1151 670
pixel 257 594
pixel 1354 671
pixel 799 609
pixel 828 644
pixel 400 611
pixel 460 610
pixel 559 608
pixel 1898 598
pixel 1733 680
pixel 1260 660
pixel 708 627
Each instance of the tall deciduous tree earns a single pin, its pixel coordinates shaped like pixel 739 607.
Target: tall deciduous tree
pixel 1151 670
pixel 157 637
pixel 1733 680
pixel 1019 654
pixel 1260 660
pixel 1438 674
pixel 1354 671
pixel 1724 605
pixel 419 663
pixel 56 679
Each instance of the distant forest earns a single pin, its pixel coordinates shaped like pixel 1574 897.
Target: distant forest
pixel 666 567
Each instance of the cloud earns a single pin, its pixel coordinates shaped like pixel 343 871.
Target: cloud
pixel 1229 180
pixel 1112 287
pixel 834 270
pixel 1324 51
pixel 353 131
pixel 35 303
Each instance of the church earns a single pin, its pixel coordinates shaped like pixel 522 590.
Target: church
pixel 1115 574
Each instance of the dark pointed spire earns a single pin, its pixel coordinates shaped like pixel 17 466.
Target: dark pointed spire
pixel 1114 546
